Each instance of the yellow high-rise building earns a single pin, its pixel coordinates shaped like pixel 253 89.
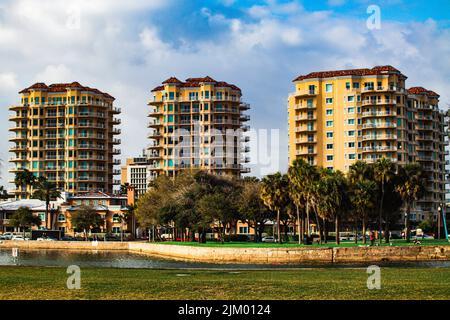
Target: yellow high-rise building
pixel 198 124
pixel 66 133
pixel 339 117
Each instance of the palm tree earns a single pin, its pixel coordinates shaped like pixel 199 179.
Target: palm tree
pixel 3 193
pixel 46 191
pixel 24 178
pixel 412 185
pixel 295 193
pixel 303 177
pixel 384 171
pixel 274 193
pixel 362 198
pixel 331 193
pixel 363 193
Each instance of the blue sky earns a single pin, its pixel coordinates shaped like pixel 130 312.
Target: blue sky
pixel 128 47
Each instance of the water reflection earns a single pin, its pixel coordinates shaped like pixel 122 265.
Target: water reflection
pixel 103 259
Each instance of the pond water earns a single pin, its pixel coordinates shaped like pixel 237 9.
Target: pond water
pixel 103 259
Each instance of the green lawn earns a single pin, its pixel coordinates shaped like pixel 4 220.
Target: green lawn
pixel 333 283
pixel 291 244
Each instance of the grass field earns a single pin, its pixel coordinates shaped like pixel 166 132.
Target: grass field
pixel 98 284
pixel 291 244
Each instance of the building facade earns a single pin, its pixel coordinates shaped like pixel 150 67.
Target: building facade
pixel 112 209
pixel 138 173
pixel 67 133
pixel 198 124
pixel 339 117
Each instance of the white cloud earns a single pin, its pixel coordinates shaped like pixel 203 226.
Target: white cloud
pixel 8 81
pixel 55 74
pixel 125 54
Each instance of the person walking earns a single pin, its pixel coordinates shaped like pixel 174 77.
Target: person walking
pixel 372 238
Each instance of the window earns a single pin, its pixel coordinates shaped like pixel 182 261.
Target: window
pixel 116 218
pixel 116 230
pixel 329 158
pixel 351 122
pixel 351 110
pixel 329 134
pixel 351 98
pixel 243 230
pixel 355 85
pixel 351 144
pixel 61 217
pixel 329 87
pixel 329 100
pixel 347 85
pixel 329 112
pixel 351 133
pixel 329 146
pixel 352 156
pixel 329 124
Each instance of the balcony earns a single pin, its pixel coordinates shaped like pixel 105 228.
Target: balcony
pixel 116 110
pixel 305 118
pixel 304 93
pixel 305 141
pixel 116 152
pixel 117 162
pixel 379 149
pixel 245 117
pixel 244 106
pixel 156 123
pixel 371 102
pixel 116 121
pixel 245 128
pixel 116 131
pixel 116 141
pixel 369 137
pixel 305 107
pixel 18 159
pixel 379 114
pixel 379 125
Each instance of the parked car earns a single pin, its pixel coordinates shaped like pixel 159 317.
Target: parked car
pixel 7 236
pixel 268 239
pixel 45 239
pixel 18 238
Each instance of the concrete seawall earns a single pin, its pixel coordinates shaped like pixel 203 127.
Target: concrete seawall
pixel 250 255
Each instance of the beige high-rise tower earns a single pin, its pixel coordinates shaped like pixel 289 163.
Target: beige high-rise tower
pixel 198 124
pixel 66 132
pixel 339 117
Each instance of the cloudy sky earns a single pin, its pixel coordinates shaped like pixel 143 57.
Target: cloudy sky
pixel 128 47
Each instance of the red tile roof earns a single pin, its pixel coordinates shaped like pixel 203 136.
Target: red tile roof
pixel 62 87
pixel 195 82
pixel 421 90
pixel 378 70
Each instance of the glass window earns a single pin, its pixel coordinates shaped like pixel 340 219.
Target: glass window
pixel 329 134
pixel 329 124
pixel 329 87
pixel 329 112
pixel 329 100
pixel 330 158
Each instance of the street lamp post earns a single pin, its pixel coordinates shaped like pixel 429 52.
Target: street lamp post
pixel 439 223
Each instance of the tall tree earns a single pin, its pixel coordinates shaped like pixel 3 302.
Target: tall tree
pixel 24 179
pixel 252 208
pixel 411 186
pixel 303 177
pixel 24 218
pixel 86 218
pixel 274 193
pixel 46 191
pixel 384 171
pixel 363 194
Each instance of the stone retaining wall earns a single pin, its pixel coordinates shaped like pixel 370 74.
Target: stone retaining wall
pixel 250 255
